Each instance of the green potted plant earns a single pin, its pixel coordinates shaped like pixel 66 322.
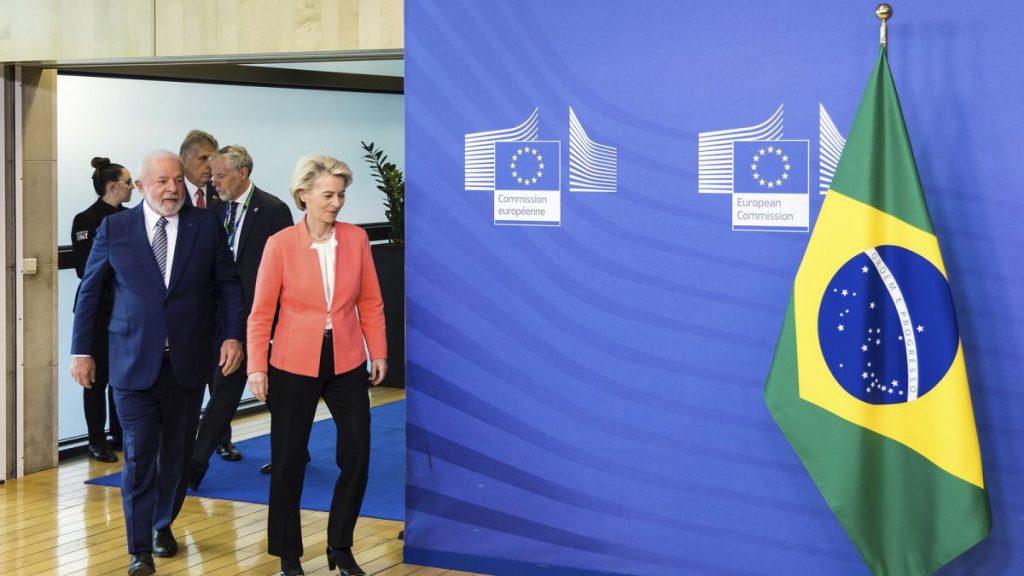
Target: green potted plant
pixel 389 259
pixel 391 181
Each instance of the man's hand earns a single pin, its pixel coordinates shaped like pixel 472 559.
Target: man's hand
pixel 378 369
pixel 231 356
pixel 258 385
pixel 83 370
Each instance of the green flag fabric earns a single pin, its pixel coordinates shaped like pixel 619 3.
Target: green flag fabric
pixel 868 382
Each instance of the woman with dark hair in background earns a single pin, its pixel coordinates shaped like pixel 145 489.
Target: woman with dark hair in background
pixel 113 185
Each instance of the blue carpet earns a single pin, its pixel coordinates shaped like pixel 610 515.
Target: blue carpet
pixel 242 481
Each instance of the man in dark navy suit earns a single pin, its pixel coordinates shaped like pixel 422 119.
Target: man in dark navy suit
pixel 250 217
pixel 164 260
pixel 196 151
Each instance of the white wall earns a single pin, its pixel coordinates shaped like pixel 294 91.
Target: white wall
pixel 125 119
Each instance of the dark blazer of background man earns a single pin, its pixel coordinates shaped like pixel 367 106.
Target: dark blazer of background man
pixel 161 332
pixel 257 216
pixel 196 151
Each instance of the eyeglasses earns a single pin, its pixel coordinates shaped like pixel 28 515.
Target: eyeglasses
pixel 127 183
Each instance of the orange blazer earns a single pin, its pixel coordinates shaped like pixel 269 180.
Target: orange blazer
pixel 289 275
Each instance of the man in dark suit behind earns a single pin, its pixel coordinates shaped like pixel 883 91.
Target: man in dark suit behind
pixel 250 217
pixel 164 260
pixel 196 151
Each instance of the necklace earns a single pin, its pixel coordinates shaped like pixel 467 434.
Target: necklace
pixel 322 237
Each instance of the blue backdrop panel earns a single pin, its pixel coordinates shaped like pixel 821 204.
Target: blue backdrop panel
pixel 585 371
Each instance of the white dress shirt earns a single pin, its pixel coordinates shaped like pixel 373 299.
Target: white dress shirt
pixel 191 189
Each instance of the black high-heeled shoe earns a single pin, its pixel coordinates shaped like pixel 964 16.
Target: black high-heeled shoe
pixel 342 559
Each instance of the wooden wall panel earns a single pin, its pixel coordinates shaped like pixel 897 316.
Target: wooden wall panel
pixel 197 27
pixel 34 30
pixel 53 30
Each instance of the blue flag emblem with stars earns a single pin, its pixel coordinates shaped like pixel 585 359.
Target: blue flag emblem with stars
pixel 527 165
pixel 770 166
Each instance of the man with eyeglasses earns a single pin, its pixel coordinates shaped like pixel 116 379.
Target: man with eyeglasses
pixel 250 216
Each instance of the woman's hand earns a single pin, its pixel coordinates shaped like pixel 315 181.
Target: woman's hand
pixel 258 385
pixel 378 369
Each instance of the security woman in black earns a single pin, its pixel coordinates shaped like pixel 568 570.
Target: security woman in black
pixel 113 185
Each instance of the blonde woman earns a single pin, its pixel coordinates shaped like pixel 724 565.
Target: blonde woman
pixel 318 276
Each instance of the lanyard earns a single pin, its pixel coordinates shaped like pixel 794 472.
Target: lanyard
pixel 231 226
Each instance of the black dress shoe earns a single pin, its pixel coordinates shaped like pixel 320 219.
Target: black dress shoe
pixel 102 453
pixel 229 452
pixel 141 565
pixel 164 544
pixel 342 559
pixel 116 443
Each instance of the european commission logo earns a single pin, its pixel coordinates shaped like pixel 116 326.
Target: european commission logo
pixel 525 173
pixel 767 175
pixel 527 183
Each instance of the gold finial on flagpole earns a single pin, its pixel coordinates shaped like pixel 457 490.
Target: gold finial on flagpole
pixel 884 12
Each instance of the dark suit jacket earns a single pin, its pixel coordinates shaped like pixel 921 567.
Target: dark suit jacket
pixel 83 232
pixel 146 313
pixel 267 215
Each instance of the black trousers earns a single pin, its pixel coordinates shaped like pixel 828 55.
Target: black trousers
pixel 292 400
pixel 98 401
pixel 215 427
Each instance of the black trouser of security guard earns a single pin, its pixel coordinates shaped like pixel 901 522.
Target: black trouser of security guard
pixel 292 400
pixel 98 401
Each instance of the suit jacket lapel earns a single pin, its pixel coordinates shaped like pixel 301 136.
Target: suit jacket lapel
pixel 144 252
pixel 183 245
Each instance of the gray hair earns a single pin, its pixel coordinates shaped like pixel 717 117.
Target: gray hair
pixel 194 139
pixel 312 166
pixel 148 159
pixel 236 156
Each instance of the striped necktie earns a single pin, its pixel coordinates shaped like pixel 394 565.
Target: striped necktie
pixel 200 197
pixel 160 246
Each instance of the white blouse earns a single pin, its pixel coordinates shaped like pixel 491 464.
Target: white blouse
pixel 325 252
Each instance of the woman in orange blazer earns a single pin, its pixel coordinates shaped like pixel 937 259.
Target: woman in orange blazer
pixel 318 276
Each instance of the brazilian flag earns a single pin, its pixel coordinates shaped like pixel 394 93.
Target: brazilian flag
pixel 868 382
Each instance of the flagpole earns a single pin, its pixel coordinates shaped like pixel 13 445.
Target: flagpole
pixel 884 12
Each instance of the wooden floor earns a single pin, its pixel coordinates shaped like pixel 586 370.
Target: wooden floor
pixel 53 523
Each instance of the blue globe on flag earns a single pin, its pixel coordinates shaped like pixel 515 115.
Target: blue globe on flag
pixel 886 326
